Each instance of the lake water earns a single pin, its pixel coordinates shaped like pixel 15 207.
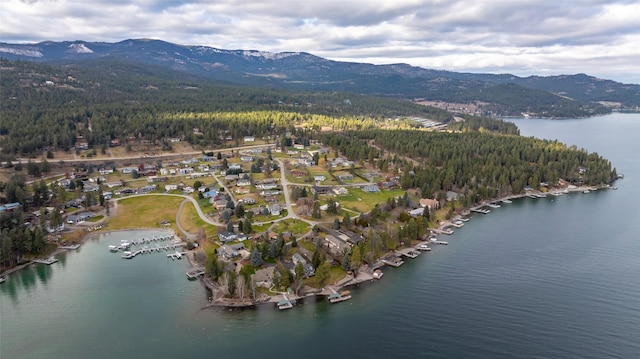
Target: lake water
pixel 545 278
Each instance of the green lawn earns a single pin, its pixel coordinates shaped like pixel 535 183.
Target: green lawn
pixel 191 221
pixel 145 212
pixel 292 225
pixel 361 201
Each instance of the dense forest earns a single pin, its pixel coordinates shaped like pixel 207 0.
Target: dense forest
pixel 124 100
pixel 479 165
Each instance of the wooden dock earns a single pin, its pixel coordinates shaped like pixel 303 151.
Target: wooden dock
pixel 442 231
pixel 480 210
pixel 194 273
pixel 72 247
pixel 48 261
pixel 408 252
pixel 392 260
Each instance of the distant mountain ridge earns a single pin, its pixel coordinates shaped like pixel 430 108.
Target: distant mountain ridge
pixel 552 96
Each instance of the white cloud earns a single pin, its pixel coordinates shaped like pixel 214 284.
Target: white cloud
pixel 524 37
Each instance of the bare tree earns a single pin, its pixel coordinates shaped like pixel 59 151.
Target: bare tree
pixel 241 287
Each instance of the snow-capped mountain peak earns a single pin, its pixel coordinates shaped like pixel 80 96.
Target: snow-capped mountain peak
pixel 80 49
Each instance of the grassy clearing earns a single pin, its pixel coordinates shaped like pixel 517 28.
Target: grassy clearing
pixel 292 225
pixel 95 219
pixel 191 221
pixel 145 212
pixel 361 201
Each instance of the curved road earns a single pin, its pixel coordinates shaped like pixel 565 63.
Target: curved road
pixel 285 189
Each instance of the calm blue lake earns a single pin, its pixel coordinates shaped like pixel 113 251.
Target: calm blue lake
pixel 545 278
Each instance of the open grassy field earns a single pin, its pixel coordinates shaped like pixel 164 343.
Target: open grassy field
pixel 191 221
pixel 361 201
pixel 291 225
pixel 145 212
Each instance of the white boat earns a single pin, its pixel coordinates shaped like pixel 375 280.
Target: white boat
pixel 339 297
pixel 507 201
pixel 586 191
pixel 377 274
pixel 127 255
pixel 2 279
pixel 423 247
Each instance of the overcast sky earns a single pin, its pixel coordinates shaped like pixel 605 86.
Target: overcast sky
pixel 522 37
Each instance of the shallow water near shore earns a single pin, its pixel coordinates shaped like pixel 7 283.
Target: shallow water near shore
pixel 554 277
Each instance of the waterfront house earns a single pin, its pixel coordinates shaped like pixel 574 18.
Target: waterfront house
pixel 432 204
pixel 227 252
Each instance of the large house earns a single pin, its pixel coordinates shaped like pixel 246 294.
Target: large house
pixel 226 236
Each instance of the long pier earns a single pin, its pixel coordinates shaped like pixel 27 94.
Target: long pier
pixel 145 250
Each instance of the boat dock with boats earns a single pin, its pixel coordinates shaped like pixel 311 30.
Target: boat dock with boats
pixel 130 254
pixel 336 297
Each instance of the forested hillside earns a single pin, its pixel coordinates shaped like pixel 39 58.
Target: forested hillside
pixel 49 107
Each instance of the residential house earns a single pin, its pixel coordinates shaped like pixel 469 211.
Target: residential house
pixel 274 209
pixel 227 252
pixel 371 188
pixel 340 191
pixel 10 207
pixel 226 236
pixel 432 204
pixel 321 189
pixel 147 189
pixel 452 196
pixel 309 271
pixel 170 187
pixel 249 139
pixel 319 178
pixel 246 159
pixel 243 182
pixel 345 177
pixel 212 193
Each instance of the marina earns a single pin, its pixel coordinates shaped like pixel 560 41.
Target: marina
pixel 130 254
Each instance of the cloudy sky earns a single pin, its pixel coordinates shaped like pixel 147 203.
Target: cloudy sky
pixel 522 37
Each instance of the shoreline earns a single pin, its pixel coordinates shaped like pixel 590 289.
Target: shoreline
pixel 365 274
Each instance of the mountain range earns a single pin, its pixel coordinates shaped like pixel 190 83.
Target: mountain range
pixel 503 94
